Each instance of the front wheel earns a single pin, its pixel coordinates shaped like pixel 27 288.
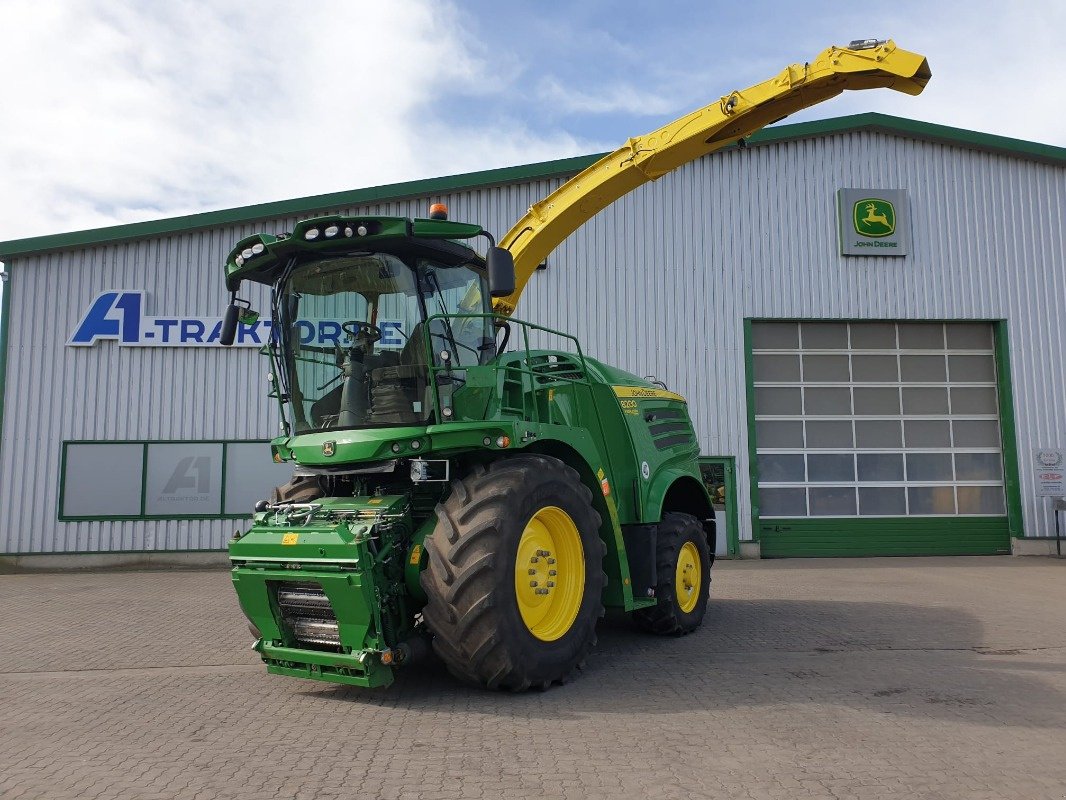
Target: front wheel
pixel 515 574
pixel 683 570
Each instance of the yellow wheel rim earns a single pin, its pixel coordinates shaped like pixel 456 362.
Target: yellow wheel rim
pixel 549 574
pixel 687 577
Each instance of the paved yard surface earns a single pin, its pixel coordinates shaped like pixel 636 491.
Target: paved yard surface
pixel 877 678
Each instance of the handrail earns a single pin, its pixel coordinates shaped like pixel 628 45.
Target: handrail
pixel 530 411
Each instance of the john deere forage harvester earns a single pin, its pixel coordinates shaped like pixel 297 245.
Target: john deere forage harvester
pixel 453 484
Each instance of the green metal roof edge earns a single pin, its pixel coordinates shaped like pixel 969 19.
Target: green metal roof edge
pixel 929 131
pixel 885 123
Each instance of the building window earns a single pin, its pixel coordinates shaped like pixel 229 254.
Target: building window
pixel 876 419
pixel 165 480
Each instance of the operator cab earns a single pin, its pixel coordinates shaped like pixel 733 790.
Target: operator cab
pixel 383 309
pixel 363 309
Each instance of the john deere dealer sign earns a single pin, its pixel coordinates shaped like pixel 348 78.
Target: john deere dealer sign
pixel 873 222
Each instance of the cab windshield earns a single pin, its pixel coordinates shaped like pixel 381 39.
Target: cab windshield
pixel 355 341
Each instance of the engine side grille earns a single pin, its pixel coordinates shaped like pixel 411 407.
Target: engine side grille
pixel 308 613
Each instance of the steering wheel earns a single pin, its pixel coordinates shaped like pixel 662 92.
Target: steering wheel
pixel 355 328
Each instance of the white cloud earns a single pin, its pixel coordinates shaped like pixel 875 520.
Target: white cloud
pixel 124 110
pixel 993 69
pixel 617 98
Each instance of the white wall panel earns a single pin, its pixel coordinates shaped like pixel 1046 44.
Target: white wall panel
pixel 659 283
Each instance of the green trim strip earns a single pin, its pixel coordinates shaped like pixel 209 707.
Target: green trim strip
pixel 1008 427
pixel 144 516
pixel 749 399
pixel 23 553
pixel 5 318
pixel 309 206
pixel 884 536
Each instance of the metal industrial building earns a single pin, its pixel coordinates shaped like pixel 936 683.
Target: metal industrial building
pixel 909 398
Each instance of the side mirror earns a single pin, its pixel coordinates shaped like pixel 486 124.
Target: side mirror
pixel 239 311
pixel 229 325
pixel 500 269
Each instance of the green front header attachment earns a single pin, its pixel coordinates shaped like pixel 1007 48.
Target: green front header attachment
pixel 463 482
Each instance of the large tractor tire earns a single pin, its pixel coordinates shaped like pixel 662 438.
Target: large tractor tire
pixel 683 571
pixel 515 574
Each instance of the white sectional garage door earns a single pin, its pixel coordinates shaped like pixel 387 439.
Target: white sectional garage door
pixel 882 429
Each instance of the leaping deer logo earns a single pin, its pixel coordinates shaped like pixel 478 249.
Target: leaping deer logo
pixel 879 220
pixel 872 216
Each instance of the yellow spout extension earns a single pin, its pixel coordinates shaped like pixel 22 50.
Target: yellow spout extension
pixel 868 64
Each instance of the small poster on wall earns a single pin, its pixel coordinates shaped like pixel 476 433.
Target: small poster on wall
pixel 1050 473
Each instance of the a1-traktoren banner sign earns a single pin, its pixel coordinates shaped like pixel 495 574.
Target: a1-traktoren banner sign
pixel 873 222
pixel 120 316
pixel 1050 473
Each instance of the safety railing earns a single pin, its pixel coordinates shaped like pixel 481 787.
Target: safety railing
pixel 529 376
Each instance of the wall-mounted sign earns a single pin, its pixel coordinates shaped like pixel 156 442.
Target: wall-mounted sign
pixel 1050 472
pixel 873 222
pixel 120 316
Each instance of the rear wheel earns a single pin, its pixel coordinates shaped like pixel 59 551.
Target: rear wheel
pixel 683 571
pixel 515 574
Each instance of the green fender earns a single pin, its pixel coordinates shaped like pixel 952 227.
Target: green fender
pixel 677 489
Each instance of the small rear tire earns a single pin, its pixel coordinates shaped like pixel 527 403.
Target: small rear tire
pixel 683 573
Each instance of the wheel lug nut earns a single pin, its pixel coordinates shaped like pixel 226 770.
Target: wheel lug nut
pixel 532 583
pixel 553 572
pixel 532 571
pixel 542 591
pixel 534 560
pixel 543 553
pixel 551 584
pixel 551 560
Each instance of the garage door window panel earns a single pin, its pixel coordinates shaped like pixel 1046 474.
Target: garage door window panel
pixel 833 501
pixel 882 501
pixel 820 401
pixel 824 335
pixel 776 368
pixel 781 468
pixel 879 467
pixel 924 433
pixel 780 433
pixel 872 368
pixel 826 369
pixel 978 467
pixel 931 500
pixel 981 500
pixel 780 502
pixel 830 468
pixel 925 400
pixel 835 433
pixel 922 368
pixel 772 400
pixel 972 368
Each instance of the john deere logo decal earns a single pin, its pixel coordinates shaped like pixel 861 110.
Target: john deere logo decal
pixel 874 218
pixel 329 448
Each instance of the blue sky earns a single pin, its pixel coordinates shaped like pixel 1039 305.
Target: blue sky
pixel 122 111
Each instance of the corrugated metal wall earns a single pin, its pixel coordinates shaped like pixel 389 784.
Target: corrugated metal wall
pixel 659 283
